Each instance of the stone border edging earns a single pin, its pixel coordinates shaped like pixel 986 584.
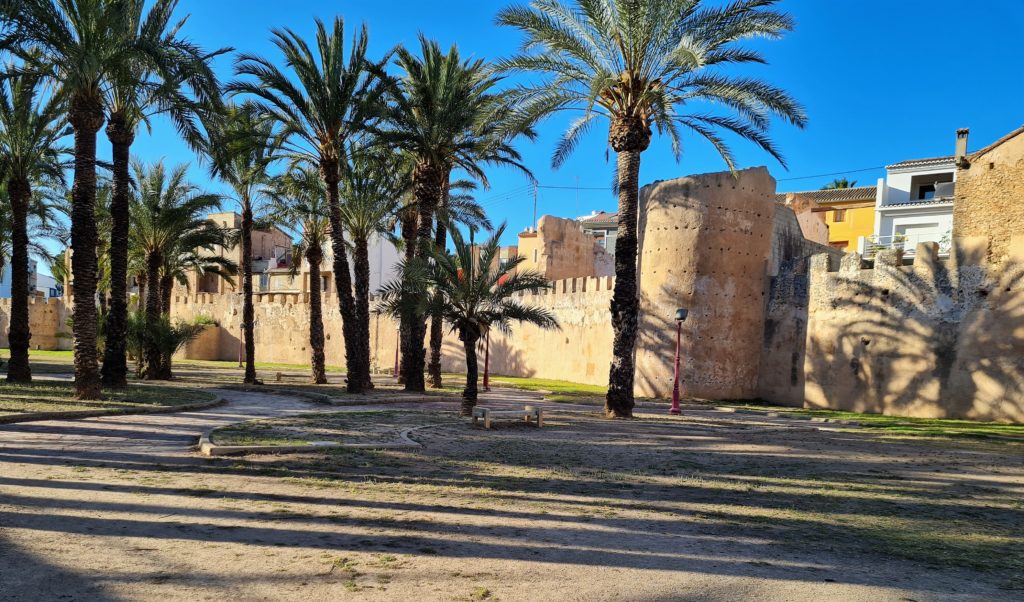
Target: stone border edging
pixel 208 448
pixel 75 414
pixel 349 400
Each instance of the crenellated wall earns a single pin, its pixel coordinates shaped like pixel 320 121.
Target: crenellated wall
pixel 47 323
pixel 936 339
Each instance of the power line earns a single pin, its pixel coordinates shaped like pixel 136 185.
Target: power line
pixel 837 173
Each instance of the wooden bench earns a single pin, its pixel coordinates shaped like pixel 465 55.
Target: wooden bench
pixel 282 376
pixel 528 414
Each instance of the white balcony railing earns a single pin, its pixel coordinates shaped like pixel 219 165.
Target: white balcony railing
pixel 869 246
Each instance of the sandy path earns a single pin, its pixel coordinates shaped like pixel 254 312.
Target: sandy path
pixel 120 508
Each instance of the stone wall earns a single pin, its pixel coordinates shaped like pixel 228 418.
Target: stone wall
pixel 933 340
pixel 560 249
pixel 705 242
pixel 47 323
pixel 990 195
pixel 780 373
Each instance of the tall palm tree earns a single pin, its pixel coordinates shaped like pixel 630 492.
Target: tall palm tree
pixel 301 206
pixel 839 184
pixel 445 114
pixel 242 146
pixel 168 214
pixel 325 101
pixel 77 43
pixel 154 83
pixel 644 64
pixel 373 186
pixel 31 123
pixel 472 296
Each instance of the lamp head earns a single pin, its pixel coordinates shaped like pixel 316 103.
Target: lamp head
pixel 681 314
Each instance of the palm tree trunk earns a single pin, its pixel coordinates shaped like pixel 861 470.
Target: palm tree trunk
pixel 151 363
pixel 408 222
pixel 248 313
pixel 86 117
pixel 628 137
pixel 19 335
pixel 166 291
pixel 436 323
pixel 314 256
pixel 361 265
pixel 356 366
pixel 469 394
pixel 115 363
pixel 427 188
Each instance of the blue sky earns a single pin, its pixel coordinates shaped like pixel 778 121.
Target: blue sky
pixel 882 81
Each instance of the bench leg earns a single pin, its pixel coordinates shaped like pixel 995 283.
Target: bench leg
pixel 540 419
pixel 475 418
pixel 487 422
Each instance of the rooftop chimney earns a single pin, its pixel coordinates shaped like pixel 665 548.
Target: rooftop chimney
pixel 961 148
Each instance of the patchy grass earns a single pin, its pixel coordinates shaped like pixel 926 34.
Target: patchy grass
pixel 48 396
pixel 364 428
pixel 897 425
pixel 952 505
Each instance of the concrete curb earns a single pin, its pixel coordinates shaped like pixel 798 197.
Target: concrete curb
pixel 208 448
pixel 348 400
pixel 72 415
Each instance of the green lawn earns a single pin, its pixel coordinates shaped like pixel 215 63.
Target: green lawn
pixel 897 425
pixel 47 396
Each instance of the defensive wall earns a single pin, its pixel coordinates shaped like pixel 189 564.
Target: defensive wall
pixel 773 315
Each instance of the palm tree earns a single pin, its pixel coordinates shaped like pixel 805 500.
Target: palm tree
pixel 839 184
pixel 300 205
pixel 169 217
pixel 77 43
pixel 460 208
pixel 445 115
pixel 136 90
pixel 242 146
pixel 31 123
pixel 642 64
pixel 325 101
pixel 373 186
pixel 472 297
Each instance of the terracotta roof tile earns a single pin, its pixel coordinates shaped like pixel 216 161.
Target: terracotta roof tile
pixel 835 195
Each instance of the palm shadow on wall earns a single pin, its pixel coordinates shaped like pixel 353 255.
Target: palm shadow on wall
pixel 923 341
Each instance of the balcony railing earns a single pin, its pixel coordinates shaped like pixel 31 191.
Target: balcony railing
pixel 869 246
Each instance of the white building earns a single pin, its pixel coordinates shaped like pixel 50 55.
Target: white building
pixel 913 204
pixel 604 226
pixel 39 282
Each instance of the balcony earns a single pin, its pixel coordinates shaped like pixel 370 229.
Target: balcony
pixel 869 246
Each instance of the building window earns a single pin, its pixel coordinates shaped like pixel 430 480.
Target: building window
pixel 839 215
pixel 926 192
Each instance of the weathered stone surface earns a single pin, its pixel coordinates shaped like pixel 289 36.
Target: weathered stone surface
pixel 990 196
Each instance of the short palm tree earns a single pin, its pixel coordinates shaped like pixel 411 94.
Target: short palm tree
pixel 242 146
pixel 472 296
pixel 168 216
pixel 839 184
pixel 77 43
pixel 459 208
pixel 156 82
pixel 643 65
pixel 300 205
pixel 31 124
pixel 324 102
pixel 372 188
pixel 445 114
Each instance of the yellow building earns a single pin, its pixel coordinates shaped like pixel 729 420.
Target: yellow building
pixel 849 213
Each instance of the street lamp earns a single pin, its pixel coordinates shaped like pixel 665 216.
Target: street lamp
pixel 681 314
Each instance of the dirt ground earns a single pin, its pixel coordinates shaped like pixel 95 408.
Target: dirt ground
pixel 711 506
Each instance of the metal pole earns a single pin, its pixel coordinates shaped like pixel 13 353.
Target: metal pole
pixel 241 342
pixel 675 378
pixel 398 344
pixel 487 362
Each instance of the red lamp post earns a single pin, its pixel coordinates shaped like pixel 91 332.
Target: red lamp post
pixel 680 318
pixel 398 344
pixel 487 362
